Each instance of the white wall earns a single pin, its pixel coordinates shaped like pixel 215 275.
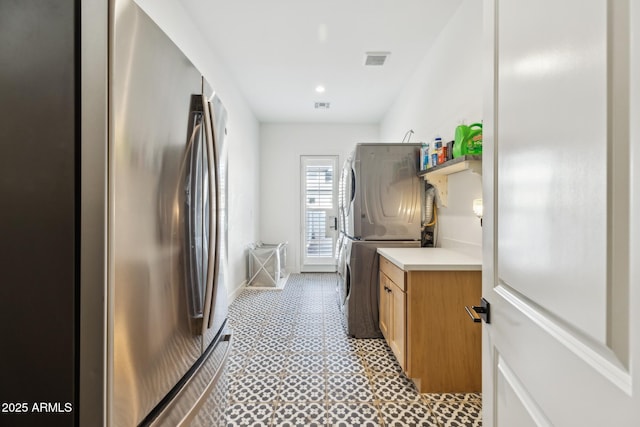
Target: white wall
pixel 445 91
pixel 242 138
pixel 282 146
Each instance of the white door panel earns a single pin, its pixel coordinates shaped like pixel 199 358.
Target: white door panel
pixel 556 230
pixel 511 393
pixel 552 160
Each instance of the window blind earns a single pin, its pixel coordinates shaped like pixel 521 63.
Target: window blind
pixel 319 197
pixel 319 187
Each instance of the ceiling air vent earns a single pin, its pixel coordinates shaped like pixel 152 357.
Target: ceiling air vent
pixel 376 58
pixel 323 105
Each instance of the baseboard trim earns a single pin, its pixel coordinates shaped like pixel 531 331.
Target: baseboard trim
pixel 318 269
pixel 233 295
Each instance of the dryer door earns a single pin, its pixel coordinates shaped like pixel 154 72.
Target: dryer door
pixel 344 283
pixel 350 184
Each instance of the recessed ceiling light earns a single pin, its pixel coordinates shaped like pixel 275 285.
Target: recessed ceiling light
pixel 320 89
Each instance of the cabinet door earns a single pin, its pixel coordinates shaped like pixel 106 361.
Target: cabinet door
pixel 397 323
pixel 384 306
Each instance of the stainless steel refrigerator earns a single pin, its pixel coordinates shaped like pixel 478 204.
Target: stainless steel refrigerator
pixel 113 179
pixel 380 206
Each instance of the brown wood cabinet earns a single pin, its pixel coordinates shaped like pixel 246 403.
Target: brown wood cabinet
pixel 392 317
pixel 422 317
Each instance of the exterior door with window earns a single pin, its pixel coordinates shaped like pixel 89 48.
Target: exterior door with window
pixel 319 212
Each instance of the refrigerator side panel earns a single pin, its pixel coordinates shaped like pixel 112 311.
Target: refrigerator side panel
pixel 38 219
pixel 154 344
pixel 93 232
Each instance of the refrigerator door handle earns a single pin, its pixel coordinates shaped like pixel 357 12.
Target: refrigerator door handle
pixel 213 205
pixel 216 150
pixel 186 170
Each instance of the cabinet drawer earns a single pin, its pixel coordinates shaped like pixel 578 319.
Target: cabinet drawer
pixel 394 273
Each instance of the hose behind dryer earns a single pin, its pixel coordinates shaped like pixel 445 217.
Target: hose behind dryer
pixel 429 216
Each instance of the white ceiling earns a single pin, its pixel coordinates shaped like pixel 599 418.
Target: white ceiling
pixel 278 51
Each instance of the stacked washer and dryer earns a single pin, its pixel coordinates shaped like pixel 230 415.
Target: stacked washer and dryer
pixel 380 207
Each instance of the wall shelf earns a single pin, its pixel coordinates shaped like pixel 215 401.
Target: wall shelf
pixel 438 176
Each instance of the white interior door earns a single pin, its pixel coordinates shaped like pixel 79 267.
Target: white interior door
pixel 560 251
pixel 319 209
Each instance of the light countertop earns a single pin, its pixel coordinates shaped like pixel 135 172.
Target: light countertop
pixel 422 259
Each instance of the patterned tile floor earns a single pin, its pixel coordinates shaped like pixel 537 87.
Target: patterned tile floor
pixel 293 365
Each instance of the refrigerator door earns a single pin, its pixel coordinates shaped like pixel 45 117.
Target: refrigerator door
pixel 151 340
pixel 387 193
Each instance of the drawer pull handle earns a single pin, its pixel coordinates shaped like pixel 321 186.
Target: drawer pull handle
pixel 483 311
pixel 474 318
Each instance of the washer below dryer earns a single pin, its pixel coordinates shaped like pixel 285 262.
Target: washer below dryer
pixel 357 288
